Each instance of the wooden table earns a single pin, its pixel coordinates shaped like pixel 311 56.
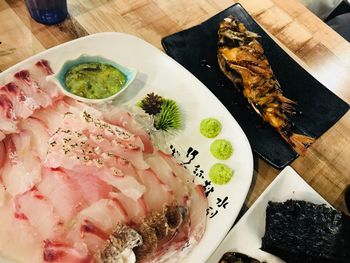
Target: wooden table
pixel 325 54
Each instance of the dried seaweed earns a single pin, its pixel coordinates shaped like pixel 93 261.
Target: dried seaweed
pixel 300 231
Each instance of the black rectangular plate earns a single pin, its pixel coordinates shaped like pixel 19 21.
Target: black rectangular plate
pixel 196 48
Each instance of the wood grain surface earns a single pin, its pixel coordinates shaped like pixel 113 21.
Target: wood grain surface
pixel 325 54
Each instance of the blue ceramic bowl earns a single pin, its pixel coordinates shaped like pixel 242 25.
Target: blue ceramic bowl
pixel 59 77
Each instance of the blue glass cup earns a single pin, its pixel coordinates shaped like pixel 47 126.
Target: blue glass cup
pixel 47 12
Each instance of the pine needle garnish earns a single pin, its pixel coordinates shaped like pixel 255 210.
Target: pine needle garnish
pixel 164 112
pixel 151 104
pixel 169 116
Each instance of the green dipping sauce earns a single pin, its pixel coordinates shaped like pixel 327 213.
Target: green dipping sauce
pixel 221 149
pixel 94 80
pixel 210 127
pixel 220 173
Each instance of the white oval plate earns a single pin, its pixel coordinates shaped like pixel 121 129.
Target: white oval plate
pixel 160 74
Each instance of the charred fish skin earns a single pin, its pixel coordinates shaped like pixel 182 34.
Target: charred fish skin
pixel 122 239
pixel 241 58
pixel 156 230
pixel 159 228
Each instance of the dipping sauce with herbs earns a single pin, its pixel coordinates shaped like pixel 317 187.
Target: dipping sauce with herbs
pixel 94 80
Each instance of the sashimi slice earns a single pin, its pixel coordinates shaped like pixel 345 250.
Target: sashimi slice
pixel 94 224
pixel 126 151
pixel 177 168
pixel 2 195
pixel 197 198
pixel 130 150
pixel 198 207
pixel 128 185
pixel 56 159
pixel 190 233
pixel 64 253
pixel 123 165
pixel 31 88
pixel 50 117
pixel 6 105
pixel 39 72
pixel 44 65
pixel 77 107
pixel 7 112
pixel 85 120
pixel 155 200
pixel 23 106
pixel 91 187
pixel 21 170
pixel 2 135
pixel 87 142
pixel 40 213
pixel 136 209
pixel 168 177
pixel 101 177
pixel 7 126
pixel 174 250
pixel 105 213
pixel 17 233
pixel 21 96
pixel 39 136
pixel 7 115
pixel 2 153
pixel 60 190
pixel 122 118
pixel 81 117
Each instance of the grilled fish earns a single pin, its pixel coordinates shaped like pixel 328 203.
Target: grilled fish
pixel 241 58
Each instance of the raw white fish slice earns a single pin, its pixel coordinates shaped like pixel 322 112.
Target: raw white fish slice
pixel 21 170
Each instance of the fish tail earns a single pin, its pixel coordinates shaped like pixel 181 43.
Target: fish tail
pixel 300 142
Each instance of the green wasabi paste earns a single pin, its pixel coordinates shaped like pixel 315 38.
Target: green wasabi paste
pixel 221 149
pixel 94 80
pixel 220 173
pixel 210 127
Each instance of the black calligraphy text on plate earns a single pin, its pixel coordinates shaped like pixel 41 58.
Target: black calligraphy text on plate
pixel 195 49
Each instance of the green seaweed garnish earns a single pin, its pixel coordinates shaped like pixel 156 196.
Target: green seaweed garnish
pixel 165 112
pixel 169 116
